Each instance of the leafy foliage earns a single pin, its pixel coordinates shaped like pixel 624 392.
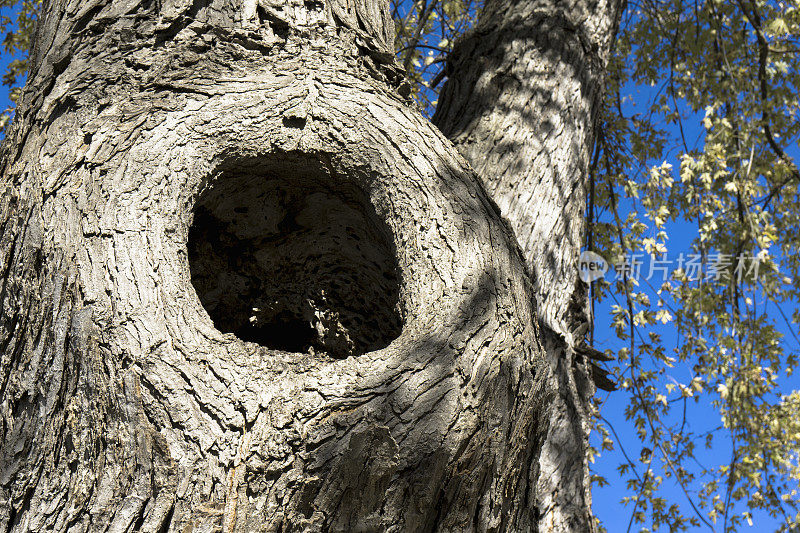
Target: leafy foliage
pixel 728 69
pixel 425 33
pixel 16 29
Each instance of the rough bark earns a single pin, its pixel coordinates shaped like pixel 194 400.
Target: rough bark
pixel 399 380
pixel 521 103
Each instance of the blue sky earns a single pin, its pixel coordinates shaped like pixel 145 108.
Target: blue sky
pixel 5 59
pixel 614 516
pixel 700 417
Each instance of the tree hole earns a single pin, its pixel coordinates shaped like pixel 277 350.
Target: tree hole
pixel 291 256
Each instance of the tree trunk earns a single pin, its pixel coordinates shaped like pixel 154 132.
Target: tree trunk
pixel 246 287
pixel 520 103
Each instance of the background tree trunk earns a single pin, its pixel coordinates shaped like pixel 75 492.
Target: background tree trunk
pixel 183 178
pixel 521 102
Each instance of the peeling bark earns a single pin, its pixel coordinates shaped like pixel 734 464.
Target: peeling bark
pixel 161 143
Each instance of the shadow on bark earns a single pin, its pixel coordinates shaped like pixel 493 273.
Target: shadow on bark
pixel 517 107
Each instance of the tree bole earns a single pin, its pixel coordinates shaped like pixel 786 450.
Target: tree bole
pixel 183 175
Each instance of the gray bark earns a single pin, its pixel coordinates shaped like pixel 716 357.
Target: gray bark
pixel 183 178
pixel 521 103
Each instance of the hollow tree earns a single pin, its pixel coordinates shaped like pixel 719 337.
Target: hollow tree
pixel 246 286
